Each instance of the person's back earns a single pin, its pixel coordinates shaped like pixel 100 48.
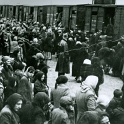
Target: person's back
pixel 59 116
pixel 34 113
pixel 56 94
pixel 85 97
pixel 82 98
pixel 89 117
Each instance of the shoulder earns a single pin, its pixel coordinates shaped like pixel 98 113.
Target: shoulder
pixel 5 110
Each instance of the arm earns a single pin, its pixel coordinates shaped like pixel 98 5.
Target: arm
pixel 91 103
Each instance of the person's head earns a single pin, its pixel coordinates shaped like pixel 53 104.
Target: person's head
pixel 62 79
pixel 15 102
pixel 30 71
pixel 91 81
pixel 6 60
pixel 60 32
pixel 118 93
pixel 1 89
pixel 40 76
pixel 39 56
pixel 41 100
pixel 65 35
pixel 67 103
pixel 95 61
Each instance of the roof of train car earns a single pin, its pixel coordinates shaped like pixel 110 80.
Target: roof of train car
pixel 44 2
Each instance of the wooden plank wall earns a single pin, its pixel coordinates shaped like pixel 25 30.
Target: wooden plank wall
pixel 100 18
pixel 88 19
pixel 65 19
pixel 119 22
pixel 80 20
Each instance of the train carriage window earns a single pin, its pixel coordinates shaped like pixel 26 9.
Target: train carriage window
pixel 1 9
pixel 31 10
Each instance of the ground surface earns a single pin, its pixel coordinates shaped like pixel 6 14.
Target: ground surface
pixel 107 88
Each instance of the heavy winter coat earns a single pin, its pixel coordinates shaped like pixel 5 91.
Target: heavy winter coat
pixel 33 113
pixel 63 64
pixel 56 94
pixel 78 56
pixel 60 116
pixel 7 116
pixel 40 86
pixel 25 89
pixel 85 100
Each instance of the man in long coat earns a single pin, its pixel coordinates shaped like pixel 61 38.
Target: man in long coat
pixel 62 66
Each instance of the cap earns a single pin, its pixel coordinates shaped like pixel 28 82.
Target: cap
pixel 39 56
pixel 87 62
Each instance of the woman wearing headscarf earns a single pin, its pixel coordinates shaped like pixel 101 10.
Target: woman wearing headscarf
pixel 11 87
pixel 35 113
pixel 39 84
pixel 9 114
pixel 60 90
pixel 7 70
pixel 24 86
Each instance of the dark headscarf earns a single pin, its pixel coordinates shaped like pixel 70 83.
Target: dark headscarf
pixel 41 99
pixel 39 75
pixel 13 99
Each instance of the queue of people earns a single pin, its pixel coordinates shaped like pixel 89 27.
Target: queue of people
pixel 25 97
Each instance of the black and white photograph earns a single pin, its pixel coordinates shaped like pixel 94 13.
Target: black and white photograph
pixel 61 62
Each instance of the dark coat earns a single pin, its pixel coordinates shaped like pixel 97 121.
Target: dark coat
pixel 33 113
pixel 40 86
pixel 78 56
pixel 11 88
pixel 118 117
pixel 89 117
pixel 7 116
pixel 25 89
pixel 63 63
pixel 6 73
pixel 48 43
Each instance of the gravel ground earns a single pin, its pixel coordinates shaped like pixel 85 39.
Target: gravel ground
pixel 107 88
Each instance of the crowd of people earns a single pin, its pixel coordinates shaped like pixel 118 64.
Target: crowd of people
pixel 25 97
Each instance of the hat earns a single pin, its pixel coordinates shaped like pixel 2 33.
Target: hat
pixel 62 79
pixel 104 120
pixel 87 62
pixel 66 100
pixel 103 100
pixel 78 42
pixel 91 81
pixel 39 56
pixel 44 27
pixel 35 40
